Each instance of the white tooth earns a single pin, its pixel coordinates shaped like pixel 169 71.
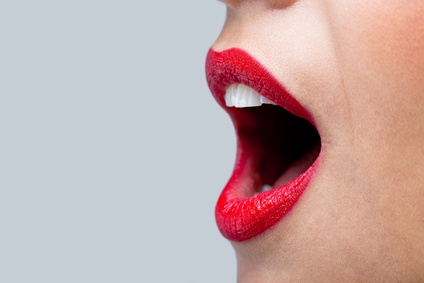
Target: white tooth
pixel 239 95
pixel 266 188
pixel 229 96
pixel 265 100
pixel 248 97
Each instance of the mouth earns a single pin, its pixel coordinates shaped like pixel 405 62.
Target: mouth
pixel 278 145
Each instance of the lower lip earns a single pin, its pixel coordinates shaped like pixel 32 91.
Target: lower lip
pixel 240 218
pixel 240 213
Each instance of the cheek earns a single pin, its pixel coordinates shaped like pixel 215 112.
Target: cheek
pixel 390 54
pixel 380 49
pixel 394 39
pixel 385 37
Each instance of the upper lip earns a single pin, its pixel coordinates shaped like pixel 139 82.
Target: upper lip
pixel 240 214
pixel 237 66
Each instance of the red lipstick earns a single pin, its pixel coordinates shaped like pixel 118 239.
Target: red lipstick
pixel 272 143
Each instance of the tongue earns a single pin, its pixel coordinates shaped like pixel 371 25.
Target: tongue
pixel 299 166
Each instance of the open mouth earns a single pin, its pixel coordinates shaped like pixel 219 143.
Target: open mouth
pixel 278 145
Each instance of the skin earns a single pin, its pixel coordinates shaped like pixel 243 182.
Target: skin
pixel 358 67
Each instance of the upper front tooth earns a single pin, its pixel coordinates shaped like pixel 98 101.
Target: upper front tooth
pixel 239 95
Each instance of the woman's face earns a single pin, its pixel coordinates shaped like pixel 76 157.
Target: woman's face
pixel 358 68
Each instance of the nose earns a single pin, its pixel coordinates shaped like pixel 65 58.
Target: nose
pixel 274 4
pixel 255 23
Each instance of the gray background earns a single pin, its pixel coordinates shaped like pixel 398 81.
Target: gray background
pixel 112 150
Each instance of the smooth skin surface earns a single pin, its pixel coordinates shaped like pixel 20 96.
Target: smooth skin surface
pixel 358 67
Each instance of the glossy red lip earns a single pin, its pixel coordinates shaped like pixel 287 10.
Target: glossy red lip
pixel 242 211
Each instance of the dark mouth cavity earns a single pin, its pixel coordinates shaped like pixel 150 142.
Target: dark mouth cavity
pixel 279 145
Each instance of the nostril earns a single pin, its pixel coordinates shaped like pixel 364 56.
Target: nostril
pixel 281 4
